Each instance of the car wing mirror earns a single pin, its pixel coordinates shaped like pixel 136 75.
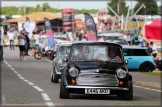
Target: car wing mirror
pixel 126 62
pixel 65 60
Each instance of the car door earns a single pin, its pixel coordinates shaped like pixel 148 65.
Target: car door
pixel 138 57
pixel 127 56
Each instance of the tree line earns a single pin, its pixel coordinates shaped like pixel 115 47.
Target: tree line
pixel 151 8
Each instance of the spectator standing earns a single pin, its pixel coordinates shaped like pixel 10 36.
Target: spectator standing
pixel 136 41
pixel 32 44
pixel 80 37
pixel 21 43
pixel 149 48
pixel 100 39
pixel 27 43
pixel 84 38
pixel 1 45
pixel 154 49
pixel 11 39
pixel 36 36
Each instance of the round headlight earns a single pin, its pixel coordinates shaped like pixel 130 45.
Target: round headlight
pixel 121 73
pixel 159 59
pixel 61 63
pixel 73 72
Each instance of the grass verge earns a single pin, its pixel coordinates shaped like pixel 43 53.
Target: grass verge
pixel 153 73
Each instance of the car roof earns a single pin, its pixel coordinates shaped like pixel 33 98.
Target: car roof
pixel 64 43
pixel 95 43
pixel 133 47
pixel 110 34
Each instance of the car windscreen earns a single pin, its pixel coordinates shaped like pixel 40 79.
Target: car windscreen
pixel 96 53
pixel 159 50
pixel 64 50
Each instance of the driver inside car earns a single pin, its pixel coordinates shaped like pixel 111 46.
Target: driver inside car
pixel 62 51
pixel 80 55
pixel 111 56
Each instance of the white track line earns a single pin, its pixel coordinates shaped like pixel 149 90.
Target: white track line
pixel 45 97
pixel 49 104
pixel 37 88
pixel 19 75
pixel 15 71
pixel 22 78
pixel 30 83
pixel 147 88
pixel 12 69
pixel 26 80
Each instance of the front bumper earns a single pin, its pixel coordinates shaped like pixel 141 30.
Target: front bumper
pixel 90 87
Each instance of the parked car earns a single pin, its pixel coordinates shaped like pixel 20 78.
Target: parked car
pixel 158 62
pixel 113 37
pixel 96 68
pixel 62 50
pixel 139 58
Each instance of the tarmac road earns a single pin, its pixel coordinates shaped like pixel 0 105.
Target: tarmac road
pixel 28 82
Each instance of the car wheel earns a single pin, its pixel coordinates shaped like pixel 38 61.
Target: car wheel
pixel 160 69
pixel 64 93
pixel 56 77
pixel 146 67
pixel 128 95
pixel 52 78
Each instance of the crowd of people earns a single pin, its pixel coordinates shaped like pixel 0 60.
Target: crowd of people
pixel 25 43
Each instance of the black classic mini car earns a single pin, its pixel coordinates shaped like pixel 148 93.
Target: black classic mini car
pixel 96 68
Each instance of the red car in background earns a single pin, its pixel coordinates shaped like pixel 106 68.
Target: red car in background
pixel 158 62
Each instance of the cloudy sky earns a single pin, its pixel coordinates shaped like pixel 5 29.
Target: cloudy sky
pixel 65 4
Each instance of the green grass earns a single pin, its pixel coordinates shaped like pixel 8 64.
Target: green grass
pixel 153 73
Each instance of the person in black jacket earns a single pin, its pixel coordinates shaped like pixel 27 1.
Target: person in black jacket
pixel 27 45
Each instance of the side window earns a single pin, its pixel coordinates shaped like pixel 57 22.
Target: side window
pixel 139 52
pixel 127 52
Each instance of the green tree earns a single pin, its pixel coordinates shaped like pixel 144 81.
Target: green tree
pixel 151 7
pixel 160 9
pixel 123 9
pixel 45 6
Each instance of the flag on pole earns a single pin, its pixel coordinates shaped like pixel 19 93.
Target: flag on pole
pixel 49 33
pixel 90 28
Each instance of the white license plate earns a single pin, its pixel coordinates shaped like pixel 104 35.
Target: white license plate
pixel 97 91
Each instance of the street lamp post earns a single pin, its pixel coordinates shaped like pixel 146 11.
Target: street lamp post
pixel 145 15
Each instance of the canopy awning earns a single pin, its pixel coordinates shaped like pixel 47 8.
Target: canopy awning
pixel 36 16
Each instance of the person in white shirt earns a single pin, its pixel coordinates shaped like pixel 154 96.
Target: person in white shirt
pixel 154 49
pixel 11 38
pixel 21 43
pixel 1 45
pixel 36 36
pixel 100 39
pixel 84 38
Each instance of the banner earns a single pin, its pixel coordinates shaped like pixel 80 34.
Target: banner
pixel 90 28
pixel 49 34
pixel 27 27
pixel 68 21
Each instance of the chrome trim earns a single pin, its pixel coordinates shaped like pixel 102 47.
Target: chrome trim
pixel 58 73
pixel 113 88
pixel 99 74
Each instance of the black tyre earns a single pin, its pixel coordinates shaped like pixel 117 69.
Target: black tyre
pixel 52 78
pixel 64 93
pixel 38 55
pixel 50 54
pixel 146 67
pixel 128 95
pixel 56 77
pixel 160 69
